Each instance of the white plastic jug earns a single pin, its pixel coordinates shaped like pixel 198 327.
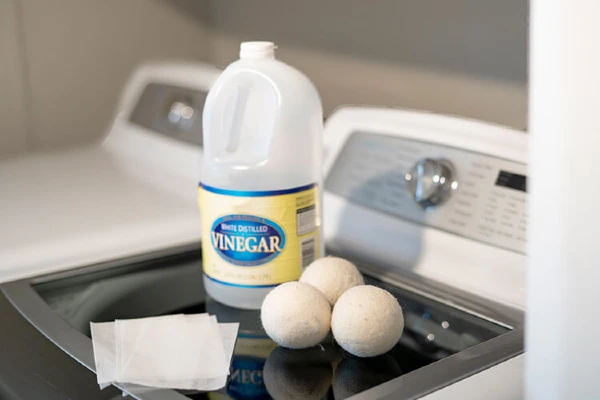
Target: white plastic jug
pixel 261 177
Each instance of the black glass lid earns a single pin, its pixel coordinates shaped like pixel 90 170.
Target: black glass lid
pixel 434 330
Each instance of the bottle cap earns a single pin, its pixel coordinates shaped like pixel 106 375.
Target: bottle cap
pixel 257 50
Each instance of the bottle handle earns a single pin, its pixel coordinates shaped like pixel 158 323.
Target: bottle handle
pixel 232 127
pixel 242 119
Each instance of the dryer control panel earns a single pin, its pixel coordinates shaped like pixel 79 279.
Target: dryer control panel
pixel 172 111
pixel 473 195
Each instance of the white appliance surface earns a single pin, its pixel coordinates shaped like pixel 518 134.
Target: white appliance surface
pixel 133 193
pixel 487 270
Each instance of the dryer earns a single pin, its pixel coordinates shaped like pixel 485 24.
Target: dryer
pixel 131 193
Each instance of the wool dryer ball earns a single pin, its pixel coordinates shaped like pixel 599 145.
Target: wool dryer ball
pixel 296 315
pixel 367 321
pixel 332 276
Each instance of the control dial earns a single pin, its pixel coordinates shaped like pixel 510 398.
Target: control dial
pixel 180 113
pixel 430 181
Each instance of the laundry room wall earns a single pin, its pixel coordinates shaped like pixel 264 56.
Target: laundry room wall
pixel 69 60
pixel 13 133
pixel 464 57
pixel 66 61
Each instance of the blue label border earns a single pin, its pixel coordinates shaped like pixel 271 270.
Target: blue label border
pixel 255 193
pixel 239 284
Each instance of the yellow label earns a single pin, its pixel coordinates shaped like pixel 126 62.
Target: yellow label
pixel 258 239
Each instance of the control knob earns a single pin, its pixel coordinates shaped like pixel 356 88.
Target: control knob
pixel 430 182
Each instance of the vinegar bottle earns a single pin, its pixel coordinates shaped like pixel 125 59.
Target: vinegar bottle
pixel 261 178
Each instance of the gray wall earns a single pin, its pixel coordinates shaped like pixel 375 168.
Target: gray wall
pixel 482 38
pixel 463 57
pixel 74 57
pixel 64 62
pixel 13 137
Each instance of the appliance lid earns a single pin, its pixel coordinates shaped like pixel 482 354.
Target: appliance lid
pixel 448 335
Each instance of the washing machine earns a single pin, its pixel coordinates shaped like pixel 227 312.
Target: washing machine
pixel 429 207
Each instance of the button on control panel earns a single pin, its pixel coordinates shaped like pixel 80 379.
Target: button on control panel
pixel 484 197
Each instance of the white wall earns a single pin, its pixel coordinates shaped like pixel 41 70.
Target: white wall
pixel 77 54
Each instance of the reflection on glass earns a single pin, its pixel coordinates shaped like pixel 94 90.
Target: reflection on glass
pixel 299 374
pixel 253 346
pixel 354 375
